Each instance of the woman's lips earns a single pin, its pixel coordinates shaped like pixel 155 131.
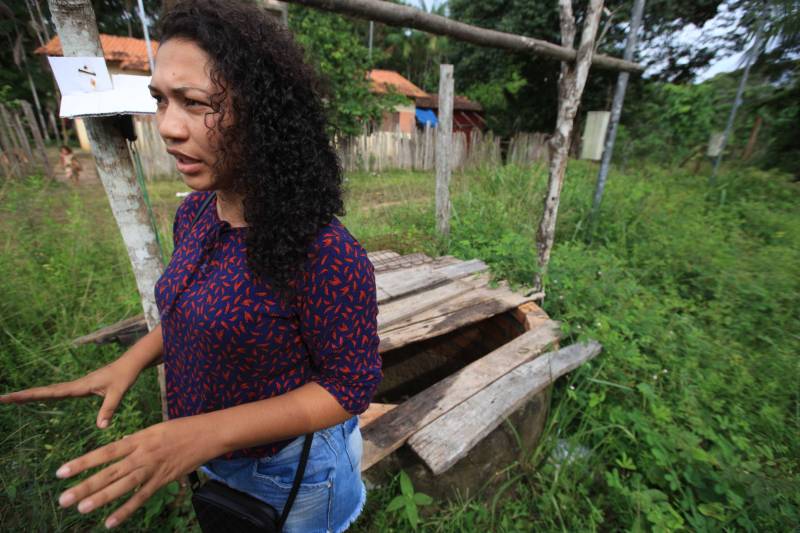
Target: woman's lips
pixel 187 165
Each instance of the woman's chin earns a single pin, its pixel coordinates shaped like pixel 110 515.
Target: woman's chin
pixel 198 182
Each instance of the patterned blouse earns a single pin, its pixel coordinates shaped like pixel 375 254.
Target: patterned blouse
pixel 230 339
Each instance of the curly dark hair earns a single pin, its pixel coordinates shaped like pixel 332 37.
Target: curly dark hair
pixel 275 151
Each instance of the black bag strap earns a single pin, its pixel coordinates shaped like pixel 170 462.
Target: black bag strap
pixel 298 478
pixel 202 209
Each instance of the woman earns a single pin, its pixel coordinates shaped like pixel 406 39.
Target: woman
pixel 268 309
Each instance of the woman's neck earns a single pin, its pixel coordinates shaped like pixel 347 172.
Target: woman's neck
pixel 230 208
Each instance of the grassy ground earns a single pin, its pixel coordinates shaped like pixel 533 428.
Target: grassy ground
pixel 687 421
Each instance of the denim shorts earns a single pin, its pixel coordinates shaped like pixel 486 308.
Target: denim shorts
pixel 331 495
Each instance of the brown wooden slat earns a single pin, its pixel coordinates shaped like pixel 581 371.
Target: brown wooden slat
pixel 391 430
pixel 374 412
pixel 450 437
pixel 455 313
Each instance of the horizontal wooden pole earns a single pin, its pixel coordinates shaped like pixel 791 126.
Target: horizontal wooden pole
pixel 409 17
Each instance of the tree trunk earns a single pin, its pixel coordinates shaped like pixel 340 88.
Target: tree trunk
pixel 571 82
pixel 77 28
pixel 751 142
pixel 616 109
pixel 444 149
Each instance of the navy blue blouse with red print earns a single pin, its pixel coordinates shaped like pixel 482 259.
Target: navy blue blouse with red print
pixel 229 338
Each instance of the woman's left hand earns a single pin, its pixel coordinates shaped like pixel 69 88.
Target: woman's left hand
pixel 144 461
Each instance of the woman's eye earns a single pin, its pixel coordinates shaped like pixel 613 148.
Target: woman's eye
pixel 192 103
pixel 157 98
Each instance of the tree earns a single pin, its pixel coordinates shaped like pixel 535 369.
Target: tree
pixel 519 92
pixel 340 54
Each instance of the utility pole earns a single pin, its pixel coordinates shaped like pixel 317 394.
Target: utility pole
pixel 616 108
pixel 752 56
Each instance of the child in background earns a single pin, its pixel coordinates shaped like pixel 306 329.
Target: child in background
pixel 72 167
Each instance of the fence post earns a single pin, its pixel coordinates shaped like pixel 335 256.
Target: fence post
pixel 10 160
pixel 37 138
pixel 77 29
pixel 444 147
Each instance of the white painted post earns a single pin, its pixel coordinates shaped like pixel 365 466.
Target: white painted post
pixel 76 26
pixel 444 148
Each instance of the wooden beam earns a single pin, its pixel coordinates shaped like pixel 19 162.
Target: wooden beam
pixel 450 437
pixel 409 17
pixel 391 430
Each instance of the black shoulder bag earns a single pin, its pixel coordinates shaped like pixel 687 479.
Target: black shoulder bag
pixel 221 509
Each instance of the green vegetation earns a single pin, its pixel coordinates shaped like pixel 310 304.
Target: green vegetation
pixel 687 421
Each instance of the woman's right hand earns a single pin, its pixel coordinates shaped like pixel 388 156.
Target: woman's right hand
pixel 111 382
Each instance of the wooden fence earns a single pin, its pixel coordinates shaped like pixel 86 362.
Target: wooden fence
pixel 22 148
pixel 382 150
pixel 156 162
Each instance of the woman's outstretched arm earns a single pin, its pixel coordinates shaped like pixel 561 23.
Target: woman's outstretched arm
pixel 111 381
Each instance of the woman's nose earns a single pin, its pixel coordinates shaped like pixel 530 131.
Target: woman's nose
pixel 171 125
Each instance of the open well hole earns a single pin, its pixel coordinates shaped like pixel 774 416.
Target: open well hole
pixel 415 367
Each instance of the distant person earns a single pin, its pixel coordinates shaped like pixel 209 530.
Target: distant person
pixel 268 306
pixel 72 167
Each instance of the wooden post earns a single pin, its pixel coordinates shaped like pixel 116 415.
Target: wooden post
pixel 616 109
pixel 444 149
pixel 37 138
pixel 10 161
pixel 570 88
pixel 751 142
pixel 23 137
pixel 77 28
pixel 54 124
pixel 13 136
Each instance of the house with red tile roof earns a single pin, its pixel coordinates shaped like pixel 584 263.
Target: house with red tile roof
pixel 126 55
pixel 422 107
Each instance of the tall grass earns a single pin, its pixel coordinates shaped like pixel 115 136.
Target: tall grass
pixel 687 420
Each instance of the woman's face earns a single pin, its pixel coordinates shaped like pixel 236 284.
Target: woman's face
pixel 186 121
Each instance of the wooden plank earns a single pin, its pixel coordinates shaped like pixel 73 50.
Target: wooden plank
pixel 380 256
pixel 396 311
pixel 407 281
pixel 136 326
pixel 451 436
pixel 374 412
pixel 402 261
pixel 455 313
pixel 463 268
pixel 390 431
